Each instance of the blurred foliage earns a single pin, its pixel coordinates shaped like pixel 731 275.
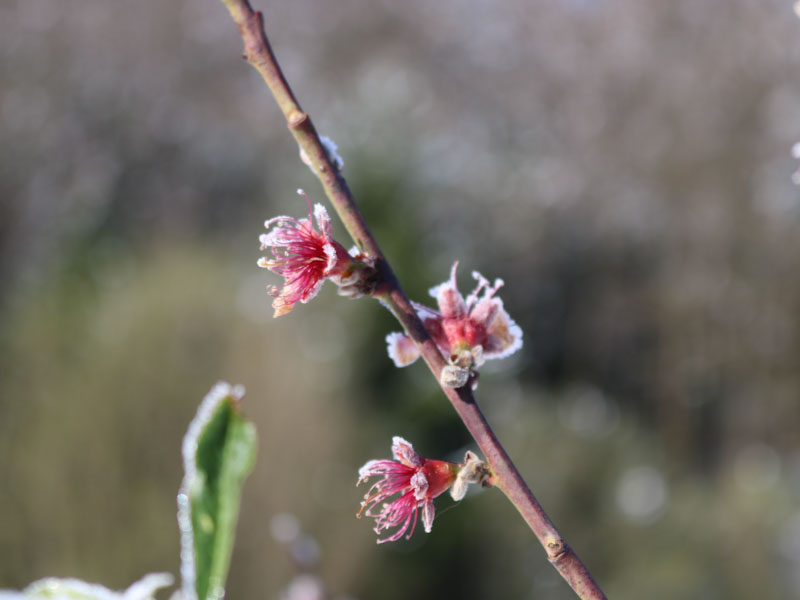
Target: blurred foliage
pixel 623 165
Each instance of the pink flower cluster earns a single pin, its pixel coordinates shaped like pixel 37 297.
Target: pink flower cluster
pixel 466 330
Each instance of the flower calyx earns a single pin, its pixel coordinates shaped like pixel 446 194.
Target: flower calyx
pixel 360 278
pixel 462 367
pixel 473 470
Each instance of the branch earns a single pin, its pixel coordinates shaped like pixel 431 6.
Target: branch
pixel 505 475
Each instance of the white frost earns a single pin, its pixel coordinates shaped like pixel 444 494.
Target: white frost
pixel 54 588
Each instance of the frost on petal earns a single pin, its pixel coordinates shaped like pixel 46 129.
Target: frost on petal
pixel 419 483
pixel 483 309
pixel 405 453
pixel 323 220
pixel 401 349
pixel 428 513
pixel 279 234
pixel 477 328
pixel 333 257
pixel 504 336
pixel 369 469
pixel 311 292
pixel 451 303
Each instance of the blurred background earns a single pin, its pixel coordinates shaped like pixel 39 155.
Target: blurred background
pixel 624 166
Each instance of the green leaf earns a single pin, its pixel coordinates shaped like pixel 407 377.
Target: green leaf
pixel 219 451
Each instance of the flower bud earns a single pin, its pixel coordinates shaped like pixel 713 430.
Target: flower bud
pixel 454 376
pixel 474 470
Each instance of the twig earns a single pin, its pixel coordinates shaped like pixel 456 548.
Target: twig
pixel 505 475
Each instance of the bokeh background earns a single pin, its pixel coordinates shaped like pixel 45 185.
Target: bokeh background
pixel 623 165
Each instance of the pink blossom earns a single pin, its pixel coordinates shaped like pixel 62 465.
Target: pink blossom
pixel 304 257
pixel 478 325
pixel 417 480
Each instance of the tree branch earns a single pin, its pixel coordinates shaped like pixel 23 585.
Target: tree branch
pixel 505 475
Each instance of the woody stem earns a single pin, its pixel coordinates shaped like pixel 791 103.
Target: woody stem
pixel 505 475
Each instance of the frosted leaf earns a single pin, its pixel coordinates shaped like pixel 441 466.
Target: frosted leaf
pixel 75 589
pixel 218 394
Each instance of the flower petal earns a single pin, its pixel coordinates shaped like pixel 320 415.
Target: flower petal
pixel 405 453
pixel 419 483
pixel 451 303
pixel 401 349
pixel 481 310
pixel 428 512
pixel 503 335
pixel 323 220
pixel 330 252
